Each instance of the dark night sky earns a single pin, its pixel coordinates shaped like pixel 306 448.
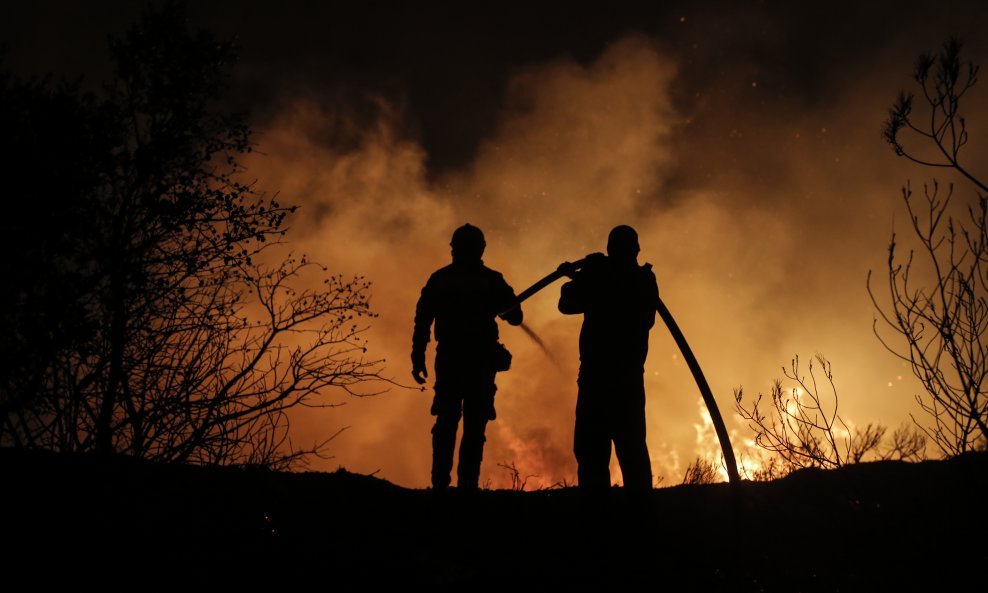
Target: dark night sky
pixel 449 66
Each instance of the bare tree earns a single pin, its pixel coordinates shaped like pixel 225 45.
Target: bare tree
pixel 937 308
pixel 801 427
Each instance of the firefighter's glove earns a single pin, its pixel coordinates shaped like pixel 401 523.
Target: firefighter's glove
pixel 567 269
pixel 419 372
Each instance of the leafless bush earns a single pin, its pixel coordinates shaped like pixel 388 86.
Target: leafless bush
pixel 518 482
pixel 701 471
pixel 765 469
pixel 907 443
pixel 801 427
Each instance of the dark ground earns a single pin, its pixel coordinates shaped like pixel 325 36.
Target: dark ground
pixel 129 525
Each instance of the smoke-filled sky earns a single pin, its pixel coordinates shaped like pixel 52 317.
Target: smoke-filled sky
pixel 741 139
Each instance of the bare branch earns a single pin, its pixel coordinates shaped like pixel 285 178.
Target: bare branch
pixel 940 326
pixel 800 426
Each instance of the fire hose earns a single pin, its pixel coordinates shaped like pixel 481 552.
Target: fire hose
pixel 684 348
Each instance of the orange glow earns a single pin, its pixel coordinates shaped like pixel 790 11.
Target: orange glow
pixel 760 243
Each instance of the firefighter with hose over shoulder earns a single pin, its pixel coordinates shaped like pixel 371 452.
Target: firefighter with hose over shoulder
pixel 618 299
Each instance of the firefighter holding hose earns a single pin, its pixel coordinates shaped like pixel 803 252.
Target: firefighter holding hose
pixel 618 300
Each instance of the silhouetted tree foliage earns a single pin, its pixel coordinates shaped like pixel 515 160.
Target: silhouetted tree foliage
pixel 938 294
pixel 800 427
pixel 139 319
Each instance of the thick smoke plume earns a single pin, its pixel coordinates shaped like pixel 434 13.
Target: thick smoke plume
pixel 760 228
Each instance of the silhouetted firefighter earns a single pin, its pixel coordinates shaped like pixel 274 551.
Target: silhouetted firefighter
pixel 617 298
pixel 463 299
